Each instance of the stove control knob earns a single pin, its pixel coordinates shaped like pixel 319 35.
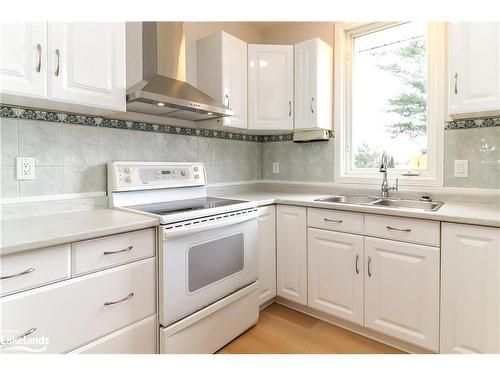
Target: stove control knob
pixel 128 179
pixel 196 169
pixel 183 173
pixel 127 169
pixel 197 176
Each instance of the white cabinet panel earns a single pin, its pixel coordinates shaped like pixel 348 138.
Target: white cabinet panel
pixel 470 294
pixel 335 273
pixel 267 253
pixel 23 61
pixel 270 87
pixel 292 253
pixel 222 74
pixel 402 291
pixel 336 220
pixel 313 85
pixel 474 68
pixel 87 64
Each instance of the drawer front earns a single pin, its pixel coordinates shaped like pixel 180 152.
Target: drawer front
pixel 29 269
pixel 138 338
pixel 101 253
pixel 403 229
pixel 67 315
pixel 340 221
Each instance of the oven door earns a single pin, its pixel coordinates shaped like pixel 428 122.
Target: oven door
pixel 204 260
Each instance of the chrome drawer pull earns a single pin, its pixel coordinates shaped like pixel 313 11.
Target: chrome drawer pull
pixel 356 264
pixel 369 263
pixel 399 230
pixel 29 270
pixel 58 57
pixel 118 251
pixel 109 303
pixel 39 65
pixel 12 340
pixel 333 221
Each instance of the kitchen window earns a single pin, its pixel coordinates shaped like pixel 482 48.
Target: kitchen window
pixel 392 81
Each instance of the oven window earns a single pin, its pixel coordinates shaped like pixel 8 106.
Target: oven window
pixel 213 261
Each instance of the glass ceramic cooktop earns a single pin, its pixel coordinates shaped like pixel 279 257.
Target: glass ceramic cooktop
pixel 173 207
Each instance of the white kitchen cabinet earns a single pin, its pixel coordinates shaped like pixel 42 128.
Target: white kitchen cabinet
pixel 292 253
pixel 313 71
pixel 335 273
pixel 222 74
pixel 474 68
pixel 267 253
pixel 23 61
pixel 270 87
pixel 470 294
pixel 402 291
pixel 64 66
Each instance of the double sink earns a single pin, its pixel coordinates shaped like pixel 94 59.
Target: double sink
pixel 363 200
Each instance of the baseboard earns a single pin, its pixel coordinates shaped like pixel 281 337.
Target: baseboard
pixel 387 340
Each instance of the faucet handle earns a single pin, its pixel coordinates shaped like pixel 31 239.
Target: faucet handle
pixel 397 184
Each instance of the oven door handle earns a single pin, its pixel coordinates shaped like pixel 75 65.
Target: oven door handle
pixel 183 231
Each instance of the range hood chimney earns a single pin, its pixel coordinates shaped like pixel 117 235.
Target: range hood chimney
pixel 163 91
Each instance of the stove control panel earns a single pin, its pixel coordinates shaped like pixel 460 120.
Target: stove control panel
pixel 124 176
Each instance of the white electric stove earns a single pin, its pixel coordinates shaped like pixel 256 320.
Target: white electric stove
pixel 207 273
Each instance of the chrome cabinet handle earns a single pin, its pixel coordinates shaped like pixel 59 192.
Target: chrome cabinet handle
pixel 118 251
pixel 399 230
pixel 369 263
pixel 312 105
pixel 333 221
pixel 289 108
pixel 27 333
pixel 109 303
pixel 356 264
pixel 456 82
pixel 58 56
pixel 39 65
pixel 29 270
pixel 228 102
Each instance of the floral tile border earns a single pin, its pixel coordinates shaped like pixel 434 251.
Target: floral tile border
pixel 473 123
pixel 76 119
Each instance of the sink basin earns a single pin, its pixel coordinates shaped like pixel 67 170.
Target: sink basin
pixel 364 200
pixel 347 199
pixel 408 204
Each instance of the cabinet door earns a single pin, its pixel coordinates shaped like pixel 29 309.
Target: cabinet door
pixel 267 253
pixel 292 254
pixel 335 273
pixel 313 84
pixel 270 87
pixel 87 64
pixel 402 291
pixel 470 294
pixel 23 61
pixel 474 68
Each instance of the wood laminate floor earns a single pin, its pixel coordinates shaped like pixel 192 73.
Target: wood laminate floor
pixel 281 330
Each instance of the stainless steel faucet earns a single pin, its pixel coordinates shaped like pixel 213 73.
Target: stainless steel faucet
pixel 385 187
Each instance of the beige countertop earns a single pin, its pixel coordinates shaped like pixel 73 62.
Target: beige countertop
pixel 455 212
pixel 36 232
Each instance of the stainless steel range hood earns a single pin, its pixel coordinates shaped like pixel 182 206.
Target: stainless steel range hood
pixel 163 95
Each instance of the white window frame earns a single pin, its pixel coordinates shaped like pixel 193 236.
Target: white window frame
pixel 436 104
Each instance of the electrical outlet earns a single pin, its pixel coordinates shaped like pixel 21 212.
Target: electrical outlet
pixel 25 168
pixel 461 168
pixel 276 167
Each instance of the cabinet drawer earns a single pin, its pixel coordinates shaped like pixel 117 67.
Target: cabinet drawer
pixel 72 313
pixel 340 221
pixel 403 229
pixel 34 268
pixel 94 255
pixel 138 338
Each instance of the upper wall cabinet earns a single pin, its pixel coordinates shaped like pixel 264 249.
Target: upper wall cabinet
pixel 313 85
pixel 222 74
pixel 65 66
pixel 474 69
pixel 270 87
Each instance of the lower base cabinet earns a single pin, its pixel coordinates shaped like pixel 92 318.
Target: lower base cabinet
pixel 138 338
pixel 470 296
pixel 267 253
pixel 402 291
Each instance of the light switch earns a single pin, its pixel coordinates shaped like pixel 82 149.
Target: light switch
pixel 276 167
pixel 461 168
